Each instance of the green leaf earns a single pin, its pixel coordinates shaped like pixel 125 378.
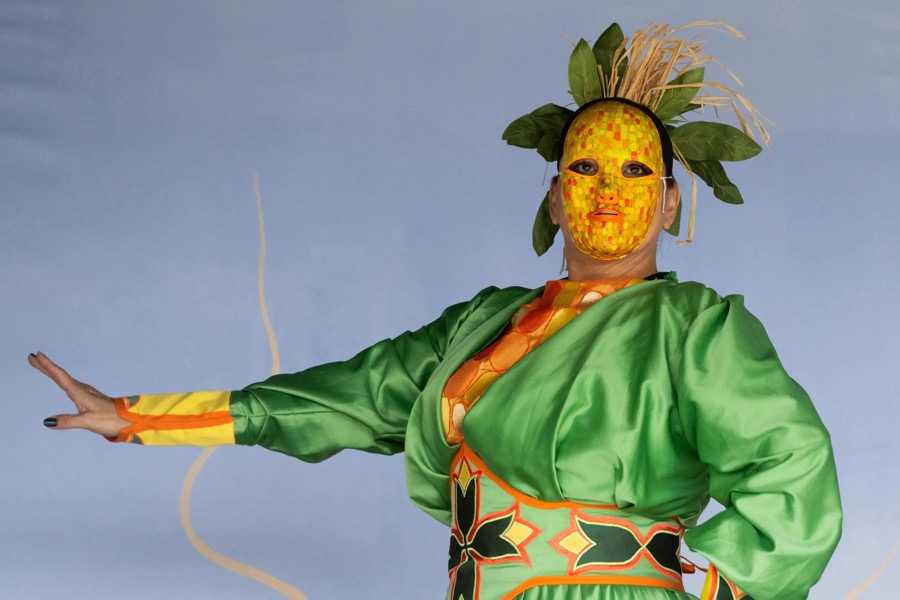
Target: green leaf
pixel 524 132
pixel 548 147
pixel 713 173
pixel 551 113
pixel 675 227
pixel 544 229
pixel 702 140
pixel 539 129
pixel 584 80
pixel 688 109
pixel 605 47
pixel 675 101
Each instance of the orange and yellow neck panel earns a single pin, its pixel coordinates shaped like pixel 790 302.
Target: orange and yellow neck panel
pixel 532 325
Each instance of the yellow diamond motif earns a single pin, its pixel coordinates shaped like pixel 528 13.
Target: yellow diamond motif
pixel 517 533
pixel 574 543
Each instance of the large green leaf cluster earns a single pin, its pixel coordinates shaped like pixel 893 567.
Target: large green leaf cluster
pixel 703 145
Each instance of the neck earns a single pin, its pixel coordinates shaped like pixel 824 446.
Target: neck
pixel 640 263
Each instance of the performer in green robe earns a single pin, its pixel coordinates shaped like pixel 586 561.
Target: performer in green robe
pixel 570 436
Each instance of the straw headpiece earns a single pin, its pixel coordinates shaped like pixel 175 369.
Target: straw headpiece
pixel 663 72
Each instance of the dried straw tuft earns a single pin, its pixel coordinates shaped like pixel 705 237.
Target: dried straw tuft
pixel 655 56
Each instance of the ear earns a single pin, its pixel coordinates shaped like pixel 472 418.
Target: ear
pixel 555 209
pixel 673 198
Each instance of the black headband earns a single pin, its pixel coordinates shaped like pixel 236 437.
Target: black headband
pixel 664 139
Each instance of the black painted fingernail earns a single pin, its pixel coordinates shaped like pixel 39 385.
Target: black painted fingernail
pixel 50 422
pixel 33 354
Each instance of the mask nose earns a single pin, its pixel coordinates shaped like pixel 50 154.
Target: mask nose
pixel 606 197
pixel 606 192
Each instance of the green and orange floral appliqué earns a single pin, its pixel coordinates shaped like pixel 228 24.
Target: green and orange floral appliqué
pixel 475 540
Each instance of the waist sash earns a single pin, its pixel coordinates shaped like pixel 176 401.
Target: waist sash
pixel 503 542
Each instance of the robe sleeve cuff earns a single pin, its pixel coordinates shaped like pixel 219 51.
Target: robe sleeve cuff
pixel 184 419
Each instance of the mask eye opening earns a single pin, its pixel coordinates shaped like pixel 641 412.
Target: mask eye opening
pixel 641 170
pixel 586 167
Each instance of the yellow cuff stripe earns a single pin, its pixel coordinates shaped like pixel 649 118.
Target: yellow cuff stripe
pixel 190 403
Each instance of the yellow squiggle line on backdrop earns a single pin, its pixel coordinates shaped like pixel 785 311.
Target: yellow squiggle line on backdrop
pixel 875 575
pixel 185 503
pixel 260 270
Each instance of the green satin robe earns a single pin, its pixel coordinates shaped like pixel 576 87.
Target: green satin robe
pixel 654 399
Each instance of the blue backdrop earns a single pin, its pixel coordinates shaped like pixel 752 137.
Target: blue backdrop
pixel 128 246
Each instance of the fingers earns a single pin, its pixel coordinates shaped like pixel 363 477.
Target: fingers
pixel 96 411
pixel 42 363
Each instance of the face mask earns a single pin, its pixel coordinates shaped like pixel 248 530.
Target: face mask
pixel 610 179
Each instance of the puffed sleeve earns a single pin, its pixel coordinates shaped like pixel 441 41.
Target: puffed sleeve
pixel 769 455
pixel 362 403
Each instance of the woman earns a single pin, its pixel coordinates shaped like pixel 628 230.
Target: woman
pixel 569 435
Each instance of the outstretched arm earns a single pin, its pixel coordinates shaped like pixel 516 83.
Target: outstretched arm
pixel 362 403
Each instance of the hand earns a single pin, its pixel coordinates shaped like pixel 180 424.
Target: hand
pixel 96 411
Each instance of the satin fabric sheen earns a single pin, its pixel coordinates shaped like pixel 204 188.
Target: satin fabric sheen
pixel 652 399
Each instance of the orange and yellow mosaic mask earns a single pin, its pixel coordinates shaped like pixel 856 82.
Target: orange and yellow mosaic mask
pixel 610 179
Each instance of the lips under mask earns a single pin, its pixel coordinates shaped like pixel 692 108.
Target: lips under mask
pixel 608 213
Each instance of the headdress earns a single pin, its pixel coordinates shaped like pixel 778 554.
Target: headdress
pixel 662 73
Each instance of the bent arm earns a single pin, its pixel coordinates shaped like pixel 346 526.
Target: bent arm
pixel 769 455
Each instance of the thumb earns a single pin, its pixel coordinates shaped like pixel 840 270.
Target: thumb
pixel 108 425
pixel 65 422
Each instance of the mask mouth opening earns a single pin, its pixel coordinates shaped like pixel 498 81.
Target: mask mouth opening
pixel 606 214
